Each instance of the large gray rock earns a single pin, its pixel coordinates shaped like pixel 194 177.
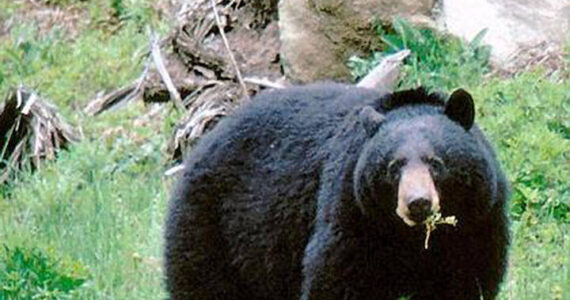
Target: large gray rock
pixel 512 24
pixel 318 36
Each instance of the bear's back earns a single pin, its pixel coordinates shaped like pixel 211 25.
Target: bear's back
pixel 258 171
pixel 280 125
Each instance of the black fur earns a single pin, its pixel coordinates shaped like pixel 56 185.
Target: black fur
pixel 289 198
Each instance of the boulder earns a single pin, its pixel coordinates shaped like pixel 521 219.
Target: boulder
pixel 512 25
pixel 318 36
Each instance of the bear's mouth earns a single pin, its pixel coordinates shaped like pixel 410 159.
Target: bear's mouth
pixel 414 219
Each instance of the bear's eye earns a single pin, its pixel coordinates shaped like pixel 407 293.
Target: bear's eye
pixel 394 168
pixel 436 165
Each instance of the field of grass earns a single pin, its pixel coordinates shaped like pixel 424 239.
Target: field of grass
pixel 96 213
pixel 89 225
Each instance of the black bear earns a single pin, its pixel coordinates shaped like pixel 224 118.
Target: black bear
pixel 322 192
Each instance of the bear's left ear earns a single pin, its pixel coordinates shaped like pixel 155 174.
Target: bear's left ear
pixel 370 119
pixel 460 108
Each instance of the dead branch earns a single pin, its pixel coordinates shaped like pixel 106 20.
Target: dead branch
pixel 230 53
pixel 385 74
pixel 204 109
pixel 265 82
pixel 174 170
pixel 159 64
pixel 196 66
pixel 31 130
pixel 110 100
pixel 119 97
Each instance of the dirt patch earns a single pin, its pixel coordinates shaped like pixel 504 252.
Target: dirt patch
pixel 543 55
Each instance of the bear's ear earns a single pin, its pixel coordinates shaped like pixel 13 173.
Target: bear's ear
pixel 370 119
pixel 460 108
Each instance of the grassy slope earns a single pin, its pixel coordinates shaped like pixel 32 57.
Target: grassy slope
pixel 515 113
pixel 99 208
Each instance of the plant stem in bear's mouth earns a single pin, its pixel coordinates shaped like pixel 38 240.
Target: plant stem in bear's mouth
pixel 435 219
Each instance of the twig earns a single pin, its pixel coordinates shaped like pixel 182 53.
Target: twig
pixel 431 224
pixel 11 163
pixel 34 132
pixel 174 170
pixel 110 100
pixel 264 82
pixel 481 297
pixel 140 80
pixel 158 62
pixel 230 53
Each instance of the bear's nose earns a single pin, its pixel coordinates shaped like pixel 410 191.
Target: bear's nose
pixel 420 209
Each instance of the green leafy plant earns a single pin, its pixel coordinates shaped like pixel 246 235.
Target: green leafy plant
pixel 31 274
pixel 436 60
pixel 526 118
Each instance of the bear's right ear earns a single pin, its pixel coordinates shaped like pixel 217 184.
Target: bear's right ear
pixel 460 108
pixel 370 119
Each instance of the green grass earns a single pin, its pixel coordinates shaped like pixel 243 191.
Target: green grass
pixel 96 214
pixel 101 204
pixel 516 114
pixel 527 118
pixel 73 71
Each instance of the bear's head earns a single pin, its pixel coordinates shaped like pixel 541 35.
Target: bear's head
pixel 425 156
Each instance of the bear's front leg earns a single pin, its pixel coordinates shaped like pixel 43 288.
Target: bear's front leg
pixel 336 266
pixel 325 276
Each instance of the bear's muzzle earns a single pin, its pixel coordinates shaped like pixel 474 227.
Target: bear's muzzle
pixel 417 195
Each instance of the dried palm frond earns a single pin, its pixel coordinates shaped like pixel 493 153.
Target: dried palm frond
pixel 205 108
pixel 31 130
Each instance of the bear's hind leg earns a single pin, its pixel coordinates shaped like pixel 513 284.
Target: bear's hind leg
pixel 196 267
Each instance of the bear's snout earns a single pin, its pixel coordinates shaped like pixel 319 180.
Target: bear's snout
pixel 417 195
pixel 420 209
